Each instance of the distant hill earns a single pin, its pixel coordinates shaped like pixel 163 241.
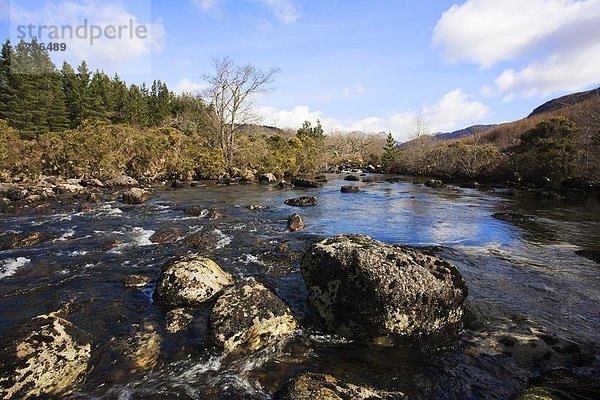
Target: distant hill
pixel 565 101
pixel 464 132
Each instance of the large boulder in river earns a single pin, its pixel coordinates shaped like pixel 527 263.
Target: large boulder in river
pixel 362 287
pixel 309 386
pixel 43 358
pixel 302 202
pixel 248 316
pixel 190 280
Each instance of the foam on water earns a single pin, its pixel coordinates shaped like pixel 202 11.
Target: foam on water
pixel 10 266
pixel 250 259
pixel 136 237
pixel 223 239
pixel 68 234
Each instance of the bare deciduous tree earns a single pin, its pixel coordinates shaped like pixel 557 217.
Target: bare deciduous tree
pixel 231 93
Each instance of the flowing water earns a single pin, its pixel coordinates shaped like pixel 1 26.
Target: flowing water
pixel 521 278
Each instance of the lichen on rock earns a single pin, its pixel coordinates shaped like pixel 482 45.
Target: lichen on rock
pixel 361 287
pixel 190 280
pixel 309 386
pixel 248 316
pixel 44 357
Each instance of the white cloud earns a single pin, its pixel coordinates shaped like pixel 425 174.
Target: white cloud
pixel 559 38
pixel 454 110
pixel 127 53
pixel 489 31
pixel 188 86
pixel 569 71
pixel 285 11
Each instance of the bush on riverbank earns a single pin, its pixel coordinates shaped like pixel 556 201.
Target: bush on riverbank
pixel 105 151
pixel 551 148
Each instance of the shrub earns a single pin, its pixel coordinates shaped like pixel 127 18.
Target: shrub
pixel 548 149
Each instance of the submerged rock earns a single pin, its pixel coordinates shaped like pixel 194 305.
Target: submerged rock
pixel 44 357
pixel 177 320
pixel 166 235
pixel 135 281
pixel 302 202
pixel 190 280
pixel 140 350
pixel 21 240
pixel 248 316
pixel 528 350
pixel 593 255
pixel 136 196
pixel 306 183
pixel 560 384
pixel 309 386
pixel 362 287
pixel 350 189
pixel 512 217
pixel 295 222
pixel 352 178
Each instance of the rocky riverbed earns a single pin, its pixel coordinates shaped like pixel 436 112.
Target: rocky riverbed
pixel 386 289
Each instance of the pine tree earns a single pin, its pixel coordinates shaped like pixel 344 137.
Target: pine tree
pixel 136 106
pixel 390 151
pixel 84 102
pixel 71 92
pixel 40 105
pixel 159 103
pixel 120 93
pixel 7 92
pixel 100 97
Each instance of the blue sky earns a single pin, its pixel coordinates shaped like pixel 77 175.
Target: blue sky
pixel 356 65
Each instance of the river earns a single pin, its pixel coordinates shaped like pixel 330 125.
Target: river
pixel 522 278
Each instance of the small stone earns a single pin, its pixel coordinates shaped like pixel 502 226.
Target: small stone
pixel 434 183
pixel 122 181
pixel 267 179
pixel 350 189
pixel 135 281
pixel 302 202
pixel 136 196
pixel 306 183
pixel 295 222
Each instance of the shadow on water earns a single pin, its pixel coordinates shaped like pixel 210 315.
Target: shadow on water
pixel 523 277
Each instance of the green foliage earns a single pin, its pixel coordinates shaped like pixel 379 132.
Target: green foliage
pixel 103 150
pixel 9 148
pixel 279 155
pixel 307 130
pixel 548 149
